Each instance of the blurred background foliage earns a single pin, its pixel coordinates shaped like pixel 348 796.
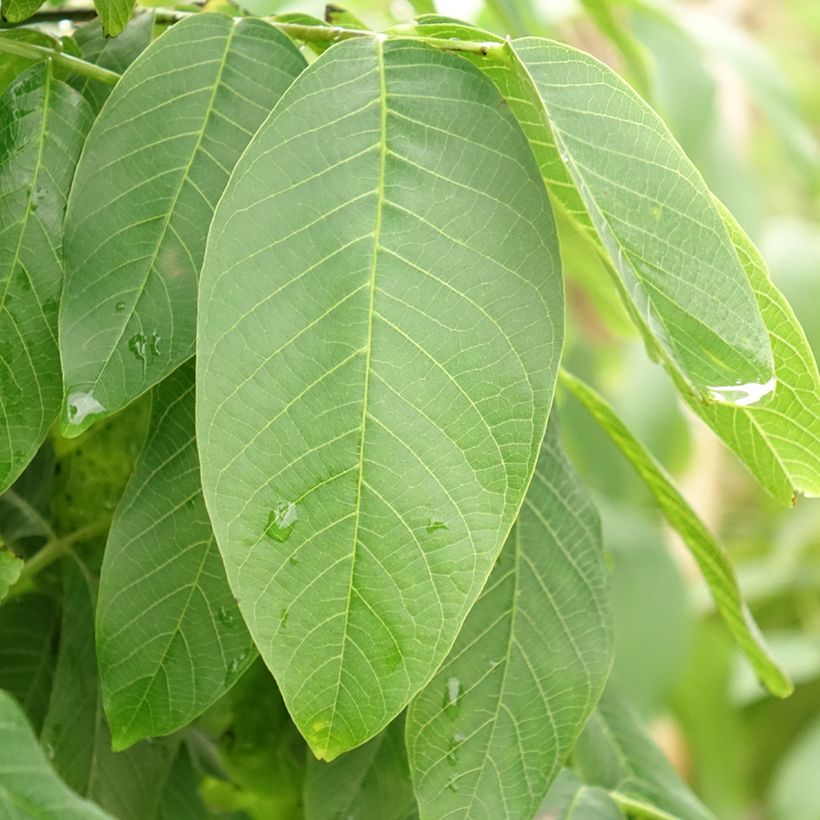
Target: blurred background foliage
pixel 738 84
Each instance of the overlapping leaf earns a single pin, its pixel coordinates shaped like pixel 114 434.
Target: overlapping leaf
pixel 114 14
pixel 42 126
pixel 380 322
pixel 708 552
pixel 493 727
pixel 571 799
pixel 154 166
pixel 15 11
pixel 170 637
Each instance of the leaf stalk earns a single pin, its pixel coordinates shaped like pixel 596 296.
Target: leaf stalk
pixel 32 51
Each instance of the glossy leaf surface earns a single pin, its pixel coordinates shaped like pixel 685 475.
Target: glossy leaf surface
pixel 380 323
pixel 153 168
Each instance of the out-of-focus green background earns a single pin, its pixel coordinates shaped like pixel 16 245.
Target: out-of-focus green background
pixel 738 82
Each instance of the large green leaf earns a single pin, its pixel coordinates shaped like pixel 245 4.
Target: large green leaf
pixel 380 323
pixel 153 168
pixel 170 638
pixel 493 727
pixel 114 14
pixel 777 439
pixel 371 781
pixel 710 555
pixel 15 11
pixel 29 787
pixel 42 126
pixel 75 734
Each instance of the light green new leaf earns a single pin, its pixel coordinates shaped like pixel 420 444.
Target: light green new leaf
pixel 42 126
pixel 776 439
pixel 154 166
pixel 708 552
pixel 15 11
pixel 381 317
pixel 29 786
pixel 10 568
pixel 114 14
pixel 371 781
pixel 170 638
pixel 615 753
pixel 128 784
pixel 491 730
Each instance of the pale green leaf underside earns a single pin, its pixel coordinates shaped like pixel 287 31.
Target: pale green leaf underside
pixel 42 126
pixel 371 781
pixel 114 14
pixel 491 730
pixel 169 636
pixel 29 786
pixel 778 438
pixel 708 552
pixel 380 324
pixel 156 161
pixel 615 753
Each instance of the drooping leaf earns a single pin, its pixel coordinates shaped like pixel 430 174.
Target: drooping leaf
pixel 114 14
pixel 42 126
pixel 170 638
pixel 114 53
pixel 491 730
pixel 776 439
pixel 380 321
pixel 615 753
pixel 708 552
pixel 153 168
pixel 370 781
pixel 29 786
pixel 28 625
pixel 75 734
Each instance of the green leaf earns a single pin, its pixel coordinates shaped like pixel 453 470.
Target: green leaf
pixel 170 638
pixel 114 53
pixel 491 730
pixel 75 734
pixel 708 552
pixel 44 122
pixel 380 323
pixel 10 65
pixel 570 799
pixel 28 626
pixel 795 790
pixel 371 781
pixel 777 439
pixel 114 14
pixel 338 16
pixel 153 168
pixel 15 11
pixel 10 568
pixel 616 753
pixel 28 785
pixel 25 506
pixel 180 798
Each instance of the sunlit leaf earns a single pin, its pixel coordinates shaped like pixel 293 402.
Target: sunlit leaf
pixel 15 11
pixel 380 322
pixel 114 14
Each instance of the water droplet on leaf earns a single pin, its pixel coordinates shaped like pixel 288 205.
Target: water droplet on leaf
pixel 452 694
pixel 119 307
pixel 226 615
pixel 433 525
pixel 281 521
pixel 283 618
pixel 742 395
pixel 79 408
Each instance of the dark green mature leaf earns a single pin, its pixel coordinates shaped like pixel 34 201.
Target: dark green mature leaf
pixel 15 11
pixel 371 781
pixel 778 439
pixel 29 787
pixel 154 166
pixel 114 53
pixel 708 552
pixel 380 323
pixel 42 126
pixel 493 727
pixel 181 799
pixel 615 752
pixel 25 506
pixel 114 14
pixel 170 638
pixel 75 734
pixel 28 625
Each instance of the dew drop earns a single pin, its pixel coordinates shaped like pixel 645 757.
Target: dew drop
pixel 137 345
pixel 283 618
pixel 226 615
pixel 433 525
pixel 742 395
pixel 281 521
pixel 452 751
pixel 50 751
pixel 119 307
pixel 154 344
pixel 79 408
pixel 452 786
pixel 452 693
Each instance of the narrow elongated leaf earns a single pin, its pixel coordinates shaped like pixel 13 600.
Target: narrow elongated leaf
pixel 615 752
pixel 42 126
pixel 169 635
pixel 154 166
pixel 656 219
pixel 777 439
pixel 114 14
pixel 493 727
pixel 380 322
pixel 708 552
pixel 371 781
pixel 29 786
pixel 15 11
pixel 128 784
